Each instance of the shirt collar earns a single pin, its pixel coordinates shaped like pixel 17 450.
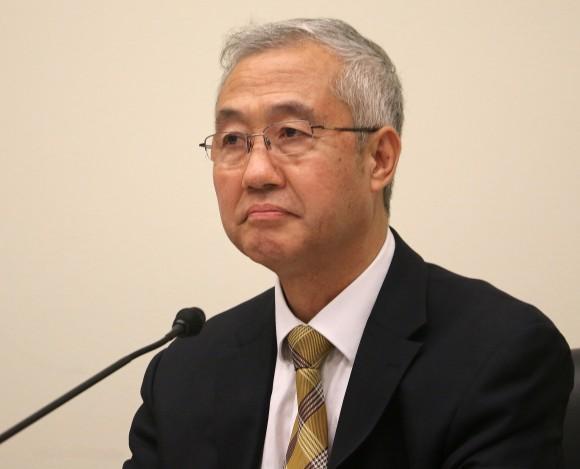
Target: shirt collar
pixel 342 321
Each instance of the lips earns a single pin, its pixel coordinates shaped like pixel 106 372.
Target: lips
pixel 266 212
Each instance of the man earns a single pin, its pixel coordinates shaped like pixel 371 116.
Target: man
pixel 362 355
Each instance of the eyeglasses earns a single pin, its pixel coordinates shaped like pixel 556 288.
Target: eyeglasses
pixel 289 138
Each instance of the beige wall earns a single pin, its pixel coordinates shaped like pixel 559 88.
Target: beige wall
pixel 109 223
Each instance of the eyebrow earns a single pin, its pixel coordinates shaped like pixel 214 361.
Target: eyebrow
pixel 285 108
pixel 292 108
pixel 227 114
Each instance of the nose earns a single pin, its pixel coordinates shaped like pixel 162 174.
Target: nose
pixel 261 171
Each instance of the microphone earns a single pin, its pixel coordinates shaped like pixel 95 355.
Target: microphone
pixel 188 322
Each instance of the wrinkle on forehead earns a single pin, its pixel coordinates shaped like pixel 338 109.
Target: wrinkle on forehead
pixel 287 82
pixel 289 109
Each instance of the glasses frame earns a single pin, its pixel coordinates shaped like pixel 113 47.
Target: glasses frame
pixel 250 137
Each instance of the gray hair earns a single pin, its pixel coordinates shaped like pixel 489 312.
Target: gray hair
pixel 368 82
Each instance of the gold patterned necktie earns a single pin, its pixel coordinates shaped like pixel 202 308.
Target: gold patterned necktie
pixel 308 447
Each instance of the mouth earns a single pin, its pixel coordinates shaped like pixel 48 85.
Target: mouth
pixel 266 212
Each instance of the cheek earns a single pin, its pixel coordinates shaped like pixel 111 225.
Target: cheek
pixel 343 195
pixel 322 194
pixel 227 194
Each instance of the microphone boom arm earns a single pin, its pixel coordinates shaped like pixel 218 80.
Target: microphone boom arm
pixel 180 328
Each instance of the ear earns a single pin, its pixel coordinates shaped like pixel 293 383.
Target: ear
pixel 385 148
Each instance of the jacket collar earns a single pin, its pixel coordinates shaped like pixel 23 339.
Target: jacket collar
pixel 386 350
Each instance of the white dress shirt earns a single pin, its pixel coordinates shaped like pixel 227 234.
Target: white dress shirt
pixel 342 322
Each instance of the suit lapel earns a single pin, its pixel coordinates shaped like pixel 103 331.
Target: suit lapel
pixel 243 388
pixel 385 352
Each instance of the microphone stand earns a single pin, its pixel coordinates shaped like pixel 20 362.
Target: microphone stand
pixel 180 328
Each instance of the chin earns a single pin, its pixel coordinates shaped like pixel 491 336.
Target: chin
pixel 266 252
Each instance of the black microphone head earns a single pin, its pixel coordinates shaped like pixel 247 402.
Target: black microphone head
pixel 191 320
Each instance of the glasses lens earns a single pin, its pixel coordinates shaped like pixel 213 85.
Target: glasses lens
pixel 226 147
pixel 284 138
pixel 289 138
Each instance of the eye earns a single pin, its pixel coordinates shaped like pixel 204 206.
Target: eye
pixel 232 139
pixel 289 132
pixel 292 132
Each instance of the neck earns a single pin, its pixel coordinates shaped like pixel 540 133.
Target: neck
pixel 310 291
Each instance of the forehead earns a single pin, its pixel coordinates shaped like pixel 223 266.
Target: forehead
pixel 285 82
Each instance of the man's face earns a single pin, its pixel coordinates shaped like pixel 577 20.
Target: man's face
pixel 292 214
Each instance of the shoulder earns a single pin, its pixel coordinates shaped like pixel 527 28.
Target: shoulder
pixel 486 359
pixel 454 305
pixel 472 326
pixel 477 305
pixel 249 311
pixel 221 331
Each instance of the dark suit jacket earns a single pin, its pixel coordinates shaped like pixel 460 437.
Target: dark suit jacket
pixel 450 373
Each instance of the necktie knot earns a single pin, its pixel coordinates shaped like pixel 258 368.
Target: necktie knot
pixel 308 347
